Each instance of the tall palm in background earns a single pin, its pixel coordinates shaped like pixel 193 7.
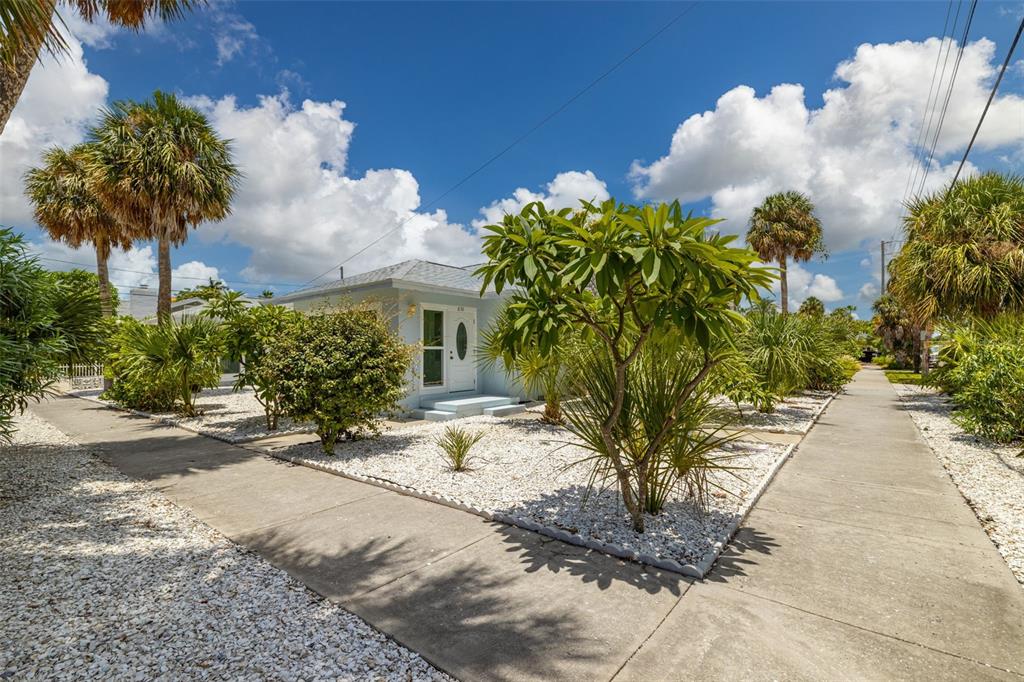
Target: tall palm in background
pixel 782 227
pixel 160 167
pixel 66 207
pixel 27 27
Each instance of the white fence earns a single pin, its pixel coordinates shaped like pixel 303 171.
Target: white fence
pixel 81 377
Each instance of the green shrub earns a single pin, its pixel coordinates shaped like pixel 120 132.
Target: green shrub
pixel 456 444
pixel 32 342
pixel 776 350
pixel 162 367
pixel 983 369
pixel 249 334
pixel 339 370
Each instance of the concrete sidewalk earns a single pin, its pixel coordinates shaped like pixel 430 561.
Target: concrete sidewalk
pixel 860 562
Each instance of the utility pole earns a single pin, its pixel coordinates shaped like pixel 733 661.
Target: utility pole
pixel 883 267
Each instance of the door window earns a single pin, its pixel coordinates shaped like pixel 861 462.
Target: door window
pixel 461 340
pixel 433 348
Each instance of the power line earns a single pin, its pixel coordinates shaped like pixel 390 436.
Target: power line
pixel 928 103
pixel 153 274
pixel 949 94
pixel 991 96
pixel 515 142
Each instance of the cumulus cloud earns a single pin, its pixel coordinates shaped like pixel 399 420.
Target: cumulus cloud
pixel 300 213
pixel 803 284
pixel 60 99
pixel 851 155
pixel 868 292
pixel 565 191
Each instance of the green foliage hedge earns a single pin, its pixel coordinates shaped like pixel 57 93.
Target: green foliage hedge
pixel 982 367
pixel 339 370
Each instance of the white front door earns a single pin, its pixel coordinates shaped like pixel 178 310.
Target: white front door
pixel 460 348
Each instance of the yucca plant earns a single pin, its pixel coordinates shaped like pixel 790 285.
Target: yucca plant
pixel 456 443
pixel 663 425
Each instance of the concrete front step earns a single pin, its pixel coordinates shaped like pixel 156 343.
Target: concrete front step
pixel 468 406
pixel 504 410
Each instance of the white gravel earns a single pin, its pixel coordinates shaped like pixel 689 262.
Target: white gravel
pixel 104 579
pixel 793 415
pixel 989 476
pixel 528 469
pixel 235 417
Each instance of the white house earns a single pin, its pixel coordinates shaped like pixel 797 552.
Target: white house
pixel 438 308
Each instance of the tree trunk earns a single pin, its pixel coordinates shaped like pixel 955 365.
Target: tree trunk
pixel 926 348
pixel 163 297
pixel 102 253
pixel 783 286
pixel 14 77
pixel 104 276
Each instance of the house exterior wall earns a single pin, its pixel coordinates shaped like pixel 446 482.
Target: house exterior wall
pixel 405 308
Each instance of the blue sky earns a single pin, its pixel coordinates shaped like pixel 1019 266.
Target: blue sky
pixel 434 90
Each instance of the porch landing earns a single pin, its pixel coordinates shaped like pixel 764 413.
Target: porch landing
pixel 443 408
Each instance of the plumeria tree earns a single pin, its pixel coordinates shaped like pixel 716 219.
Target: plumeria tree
pixel 629 276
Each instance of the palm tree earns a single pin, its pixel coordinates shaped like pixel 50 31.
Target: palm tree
pixel 784 226
pixel 964 251
pixel 29 26
pixel 70 212
pixel 160 166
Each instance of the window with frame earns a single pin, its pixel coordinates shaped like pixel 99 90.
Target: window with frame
pixel 433 347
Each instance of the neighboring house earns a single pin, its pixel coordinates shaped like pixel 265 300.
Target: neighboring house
pixel 142 302
pixel 438 308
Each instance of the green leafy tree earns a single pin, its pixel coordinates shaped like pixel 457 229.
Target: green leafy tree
pixel 250 334
pixel 66 206
pixel 31 341
pixel 340 370
pixel 625 274
pixel 784 227
pixel 29 26
pixel 160 167
pixel 79 316
pixel 813 307
pixel 893 325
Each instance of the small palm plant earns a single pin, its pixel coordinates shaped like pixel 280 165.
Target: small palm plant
pixel 456 444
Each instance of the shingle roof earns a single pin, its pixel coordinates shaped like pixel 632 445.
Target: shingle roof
pixel 411 271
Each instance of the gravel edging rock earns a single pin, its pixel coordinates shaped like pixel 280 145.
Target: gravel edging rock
pixel 989 476
pixel 107 579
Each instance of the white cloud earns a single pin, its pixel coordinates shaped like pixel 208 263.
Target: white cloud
pixel 60 99
pixel 803 284
pixel 301 214
pixel 192 273
pixel 97 34
pixel 865 262
pixel 868 292
pixel 851 155
pixel 232 33
pixel 565 191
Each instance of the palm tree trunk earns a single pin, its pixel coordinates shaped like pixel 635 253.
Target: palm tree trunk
pixel 104 277
pixel 14 77
pixel 783 286
pixel 163 297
